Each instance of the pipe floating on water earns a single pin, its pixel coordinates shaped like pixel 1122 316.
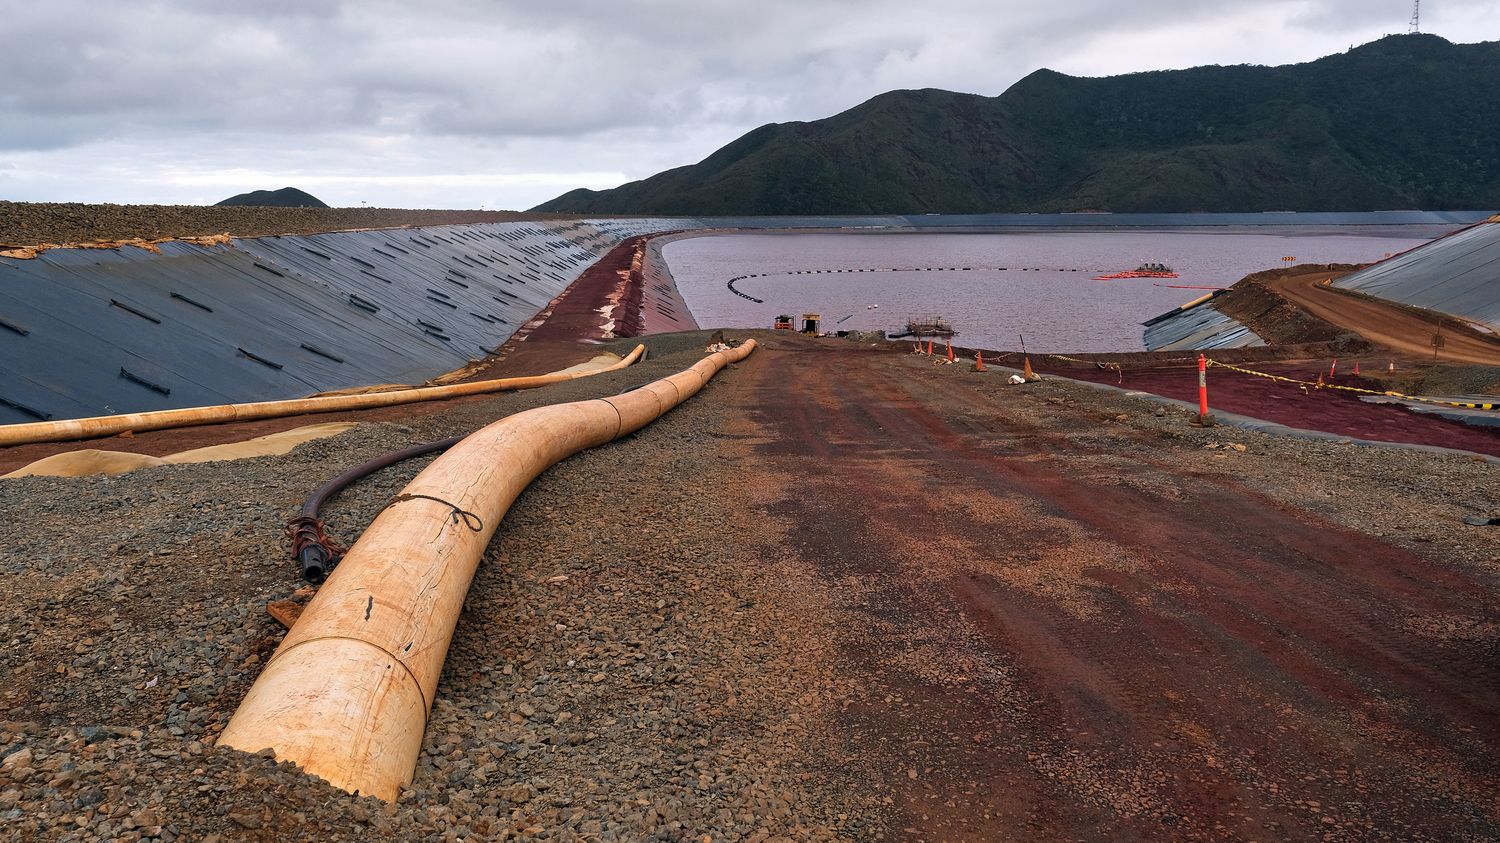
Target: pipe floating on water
pixel 87 428
pixel 347 694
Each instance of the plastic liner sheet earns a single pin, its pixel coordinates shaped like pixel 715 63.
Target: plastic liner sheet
pixel 663 309
pixel 1200 328
pixel 98 332
pixel 1458 274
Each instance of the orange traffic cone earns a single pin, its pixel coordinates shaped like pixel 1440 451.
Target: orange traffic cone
pixel 1356 368
pixel 1026 370
pixel 950 352
pixel 979 361
pixel 929 348
pixel 1320 380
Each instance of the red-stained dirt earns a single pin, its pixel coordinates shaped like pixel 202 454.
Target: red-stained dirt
pixel 1036 654
pixel 1330 410
pixel 610 299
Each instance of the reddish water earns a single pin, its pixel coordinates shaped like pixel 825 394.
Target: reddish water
pixel 1045 290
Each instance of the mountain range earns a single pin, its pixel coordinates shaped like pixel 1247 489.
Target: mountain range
pixel 1408 121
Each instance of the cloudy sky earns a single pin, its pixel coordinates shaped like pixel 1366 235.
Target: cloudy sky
pixel 468 103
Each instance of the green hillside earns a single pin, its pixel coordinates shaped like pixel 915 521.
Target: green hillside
pixel 1409 121
pixel 287 197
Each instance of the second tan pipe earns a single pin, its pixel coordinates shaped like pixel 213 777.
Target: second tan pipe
pixel 64 430
pixel 347 694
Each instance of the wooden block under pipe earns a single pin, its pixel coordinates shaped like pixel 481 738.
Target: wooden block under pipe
pixel 286 612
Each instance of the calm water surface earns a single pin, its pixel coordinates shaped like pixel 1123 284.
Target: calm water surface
pixel 1036 283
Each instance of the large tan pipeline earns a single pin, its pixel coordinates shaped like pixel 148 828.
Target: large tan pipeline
pixel 64 430
pixel 347 694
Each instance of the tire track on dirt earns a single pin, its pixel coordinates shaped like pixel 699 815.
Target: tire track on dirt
pixel 1220 664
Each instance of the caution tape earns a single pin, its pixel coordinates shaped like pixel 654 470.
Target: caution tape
pixel 1282 378
pixel 1113 365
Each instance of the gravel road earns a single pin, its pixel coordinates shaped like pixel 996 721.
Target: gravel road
pixel 1070 615
pixel 1407 329
pixel 841 594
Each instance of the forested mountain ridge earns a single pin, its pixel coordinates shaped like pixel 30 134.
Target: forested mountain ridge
pixel 1409 121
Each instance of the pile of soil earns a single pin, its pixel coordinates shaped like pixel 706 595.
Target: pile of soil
pixel 35 223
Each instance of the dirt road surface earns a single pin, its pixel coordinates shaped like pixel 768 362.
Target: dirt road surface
pixel 1056 632
pixel 1387 324
pixel 843 593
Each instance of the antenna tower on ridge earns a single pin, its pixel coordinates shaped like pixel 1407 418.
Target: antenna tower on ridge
pixel 1416 18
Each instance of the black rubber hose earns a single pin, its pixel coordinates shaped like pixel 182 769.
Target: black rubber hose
pixel 312 550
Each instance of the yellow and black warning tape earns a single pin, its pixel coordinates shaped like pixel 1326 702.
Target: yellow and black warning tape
pixel 1114 365
pixel 1119 368
pixel 1472 405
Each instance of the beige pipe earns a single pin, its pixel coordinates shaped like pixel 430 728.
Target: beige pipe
pixel 64 430
pixel 347 694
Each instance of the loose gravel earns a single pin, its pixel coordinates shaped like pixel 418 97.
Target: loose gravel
pixel 642 656
pixel 619 671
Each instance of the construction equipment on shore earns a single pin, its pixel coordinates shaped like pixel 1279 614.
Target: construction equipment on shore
pixel 783 323
pixel 812 324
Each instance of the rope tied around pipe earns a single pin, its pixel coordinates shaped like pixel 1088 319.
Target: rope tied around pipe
pixel 469 519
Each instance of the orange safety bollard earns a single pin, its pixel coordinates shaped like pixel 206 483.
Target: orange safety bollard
pixel 929 348
pixel 1332 370
pixel 1026 369
pixel 950 352
pixel 1202 389
pixel 1356 368
pixel 979 361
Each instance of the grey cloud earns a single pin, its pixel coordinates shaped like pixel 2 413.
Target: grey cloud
pixel 595 85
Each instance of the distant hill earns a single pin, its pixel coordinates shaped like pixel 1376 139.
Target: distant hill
pixel 1409 121
pixel 287 197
